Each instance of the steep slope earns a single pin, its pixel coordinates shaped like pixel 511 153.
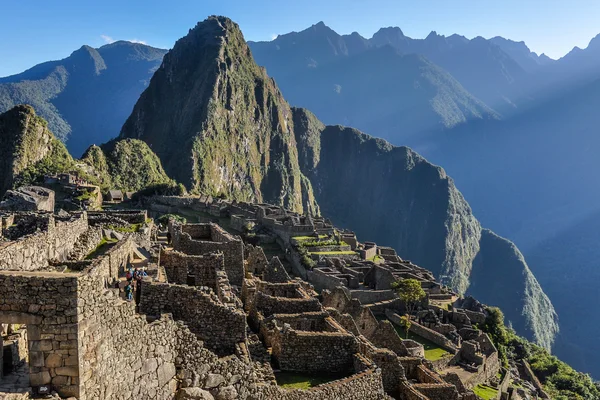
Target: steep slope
pixel 396 197
pixel 128 165
pixel 87 96
pixel 218 123
pixel 28 149
pixel 545 197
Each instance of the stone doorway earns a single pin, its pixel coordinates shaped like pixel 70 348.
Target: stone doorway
pixel 14 359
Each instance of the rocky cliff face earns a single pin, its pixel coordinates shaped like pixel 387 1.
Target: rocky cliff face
pixel 397 198
pixel 218 123
pixel 221 126
pixel 27 148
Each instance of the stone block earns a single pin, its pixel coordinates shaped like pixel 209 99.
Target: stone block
pixel 150 365
pixel 193 393
pixel 54 361
pixel 60 380
pixel 41 378
pixel 71 360
pixel 41 345
pixel 68 391
pixel 226 393
pixel 214 380
pixel 166 372
pixel 36 358
pixel 67 371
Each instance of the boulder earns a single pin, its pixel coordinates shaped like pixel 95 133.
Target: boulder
pixel 194 393
pixel 28 198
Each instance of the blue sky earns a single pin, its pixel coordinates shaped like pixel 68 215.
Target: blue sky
pixel 33 31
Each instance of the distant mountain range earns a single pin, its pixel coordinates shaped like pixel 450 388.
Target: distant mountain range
pixel 87 96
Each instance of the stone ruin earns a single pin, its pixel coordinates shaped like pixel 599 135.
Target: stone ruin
pixel 28 198
pixel 216 318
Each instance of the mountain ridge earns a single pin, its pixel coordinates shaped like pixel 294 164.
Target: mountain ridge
pixel 68 93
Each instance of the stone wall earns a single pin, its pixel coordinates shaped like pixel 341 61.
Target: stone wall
pixel 365 385
pixel 437 391
pixel 385 336
pixel 314 352
pixel 269 305
pixel 129 216
pixel 218 241
pixel 323 280
pixel 34 251
pixel 425 333
pixel 219 326
pixel 48 306
pixel 373 296
pixel 275 272
pixel 192 270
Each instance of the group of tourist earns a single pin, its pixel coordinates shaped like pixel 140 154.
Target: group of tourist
pixel 134 278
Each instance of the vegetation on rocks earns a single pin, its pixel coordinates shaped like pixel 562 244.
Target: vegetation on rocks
pixel 232 134
pixel 560 380
pixel 29 150
pixel 129 165
pixel 358 179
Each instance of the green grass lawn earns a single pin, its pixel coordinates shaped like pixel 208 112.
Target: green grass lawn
pixel 325 253
pixel 293 380
pixel 308 237
pixel 101 248
pixel 485 392
pixel 433 352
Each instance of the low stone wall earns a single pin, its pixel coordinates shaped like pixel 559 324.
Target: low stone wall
pixel 321 280
pixel 314 352
pixel 408 392
pixel 113 261
pixel 433 336
pixel 129 216
pixel 34 251
pixel 365 385
pixel 220 327
pixel 312 249
pixel 425 333
pixel 373 296
pixel 437 391
pixel 385 336
pixel 269 305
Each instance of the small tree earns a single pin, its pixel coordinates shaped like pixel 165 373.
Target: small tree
pixel 406 323
pixel 410 292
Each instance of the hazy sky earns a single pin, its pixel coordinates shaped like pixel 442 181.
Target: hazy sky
pixel 33 31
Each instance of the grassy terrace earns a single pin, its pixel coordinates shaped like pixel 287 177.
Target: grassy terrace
pixel 308 237
pixel 326 253
pixel 433 352
pixel 103 247
pixel 485 392
pixel 293 380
